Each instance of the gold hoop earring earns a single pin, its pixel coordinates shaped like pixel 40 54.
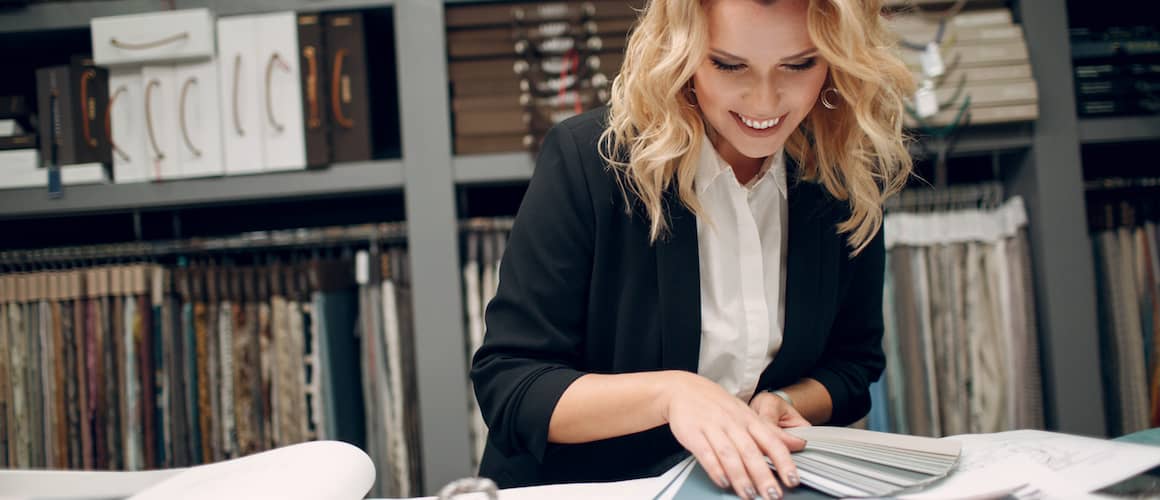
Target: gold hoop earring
pixel 826 102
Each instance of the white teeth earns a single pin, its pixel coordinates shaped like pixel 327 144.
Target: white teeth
pixel 760 125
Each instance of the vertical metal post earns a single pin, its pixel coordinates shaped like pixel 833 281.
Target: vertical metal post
pixel 433 239
pixel 1051 182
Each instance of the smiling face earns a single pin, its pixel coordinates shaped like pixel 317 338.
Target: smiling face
pixel 761 77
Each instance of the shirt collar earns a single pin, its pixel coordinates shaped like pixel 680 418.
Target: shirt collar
pixel 711 167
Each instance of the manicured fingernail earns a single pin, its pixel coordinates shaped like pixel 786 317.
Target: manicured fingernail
pixel 773 493
pixel 723 482
pixel 751 493
pixel 794 480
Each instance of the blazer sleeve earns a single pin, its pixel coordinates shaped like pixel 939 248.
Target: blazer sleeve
pixel 536 322
pixel 853 358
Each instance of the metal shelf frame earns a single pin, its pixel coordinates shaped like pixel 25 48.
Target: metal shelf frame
pixel 493 168
pixel 337 180
pixel 1126 129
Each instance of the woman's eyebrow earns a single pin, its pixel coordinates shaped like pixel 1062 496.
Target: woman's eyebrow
pixel 799 55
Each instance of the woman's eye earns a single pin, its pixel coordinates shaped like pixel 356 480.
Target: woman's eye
pixel 802 66
pixel 727 67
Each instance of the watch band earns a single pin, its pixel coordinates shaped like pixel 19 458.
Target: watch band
pixel 782 394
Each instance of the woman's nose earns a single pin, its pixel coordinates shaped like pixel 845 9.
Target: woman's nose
pixel 765 96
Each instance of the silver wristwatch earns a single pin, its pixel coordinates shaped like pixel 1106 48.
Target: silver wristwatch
pixel 782 394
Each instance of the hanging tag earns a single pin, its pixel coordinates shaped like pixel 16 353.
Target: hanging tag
pixel 925 101
pixel 362 268
pixel 932 62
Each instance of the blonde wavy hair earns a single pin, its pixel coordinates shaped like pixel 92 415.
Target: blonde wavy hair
pixel 858 151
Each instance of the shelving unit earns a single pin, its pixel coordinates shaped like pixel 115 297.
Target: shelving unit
pixel 1049 177
pixel 341 179
pixel 53 15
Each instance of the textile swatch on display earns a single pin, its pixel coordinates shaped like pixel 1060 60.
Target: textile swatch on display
pixel 173 358
pixel 389 387
pixel 1124 247
pixel 959 324
pixel 483 241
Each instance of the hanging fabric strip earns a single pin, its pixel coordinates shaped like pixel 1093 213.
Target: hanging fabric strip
pixel 18 337
pixel 163 364
pixel 393 357
pixel 6 420
pixel 411 422
pixel 131 418
pixel 213 366
pixel 205 384
pixel 472 303
pixel 74 376
pixel 315 423
pixel 1154 346
pixel 84 394
pixel 143 338
pixel 226 355
pixel 297 387
pixel 57 363
pixel 113 312
pixel 35 381
pixel 245 357
pixel 45 372
pixel 279 405
pixel 1134 367
pixel 266 364
pixel 1104 247
pixel 895 375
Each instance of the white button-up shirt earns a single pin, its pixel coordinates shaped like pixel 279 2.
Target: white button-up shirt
pixel 742 242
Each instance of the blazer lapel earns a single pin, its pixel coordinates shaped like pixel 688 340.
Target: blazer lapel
pixel 808 222
pixel 679 283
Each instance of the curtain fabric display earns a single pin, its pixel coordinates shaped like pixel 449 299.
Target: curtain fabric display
pixel 483 241
pixel 1124 246
pixel 386 334
pixel 960 334
pixel 123 418
pixel 122 362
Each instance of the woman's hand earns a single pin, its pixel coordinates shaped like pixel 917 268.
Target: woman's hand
pixel 777 411
pixel 729 439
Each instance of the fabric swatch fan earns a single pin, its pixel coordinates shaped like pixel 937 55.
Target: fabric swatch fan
pixel 848 462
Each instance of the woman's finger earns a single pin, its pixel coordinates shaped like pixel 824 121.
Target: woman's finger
pixel 731 461
pixel 764 483
pixel 770 438
pixel 792 442
pixel 699 446
pixel 791 418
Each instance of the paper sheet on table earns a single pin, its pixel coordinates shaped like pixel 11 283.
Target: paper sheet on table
pixel 1017 476
pixel 78 485
pixel 1086 464
pixel 316 470
pixel 635 489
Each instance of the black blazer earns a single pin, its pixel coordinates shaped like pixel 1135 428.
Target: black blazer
pixel 582 290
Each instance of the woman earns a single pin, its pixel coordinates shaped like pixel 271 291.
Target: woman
pixel 709 238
